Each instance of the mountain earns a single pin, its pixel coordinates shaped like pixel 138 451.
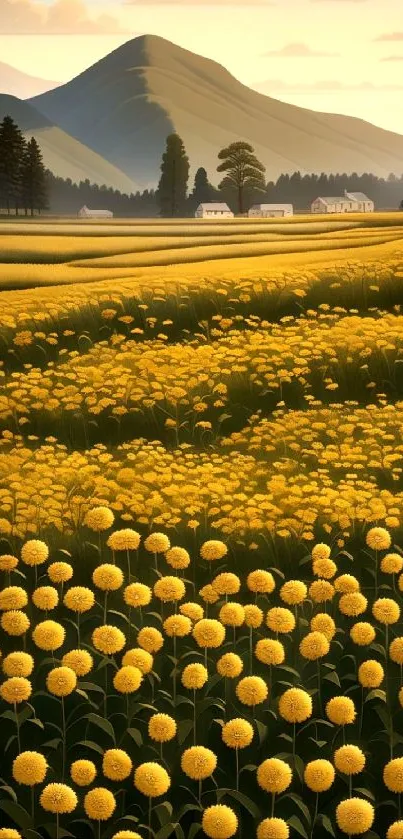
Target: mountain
pixel 125 105
pixel 64 155
pixel 17 83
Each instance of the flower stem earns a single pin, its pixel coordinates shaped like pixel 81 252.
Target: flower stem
pixel 200 792
pixel 17 722
pixel 237 769
pixel 250 650
pixel 315 814
pixel 57 825
pixel 64 737
pixel 273 802
pixel 149 806
pixel 105 607
pixel 194 717
pixel 33 804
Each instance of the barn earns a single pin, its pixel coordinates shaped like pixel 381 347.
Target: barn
pixel 214 210
pixel 85 212
pixel 271 210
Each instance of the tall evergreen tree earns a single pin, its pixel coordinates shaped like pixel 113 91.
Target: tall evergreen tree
pixel 245 173
pixel 12 145
pixel 172 187
pixel 33 179
pixel 203 191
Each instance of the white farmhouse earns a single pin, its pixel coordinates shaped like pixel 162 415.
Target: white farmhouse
pixel 85 212
pixel 271 210
pixel 214 210
pixel 350 202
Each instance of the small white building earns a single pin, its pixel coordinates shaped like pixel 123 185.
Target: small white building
pixel 271 210
pixel 85 212
pixel 214 210
pixel 350 202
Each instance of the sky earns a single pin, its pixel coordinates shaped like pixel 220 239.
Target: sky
pixel 339 56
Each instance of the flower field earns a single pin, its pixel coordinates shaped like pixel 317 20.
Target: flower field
pixel 201 540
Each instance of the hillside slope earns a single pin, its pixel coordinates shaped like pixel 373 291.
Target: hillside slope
pixel 16 83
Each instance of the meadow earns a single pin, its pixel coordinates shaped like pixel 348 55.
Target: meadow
pixel 201 540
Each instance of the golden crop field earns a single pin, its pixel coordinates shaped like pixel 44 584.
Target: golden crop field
pixel 201 529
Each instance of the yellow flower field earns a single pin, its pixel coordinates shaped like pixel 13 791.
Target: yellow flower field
pixel 201 541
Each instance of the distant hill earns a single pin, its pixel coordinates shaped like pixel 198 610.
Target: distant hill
pixel 124 106
pixel 63 155
pixel 16 83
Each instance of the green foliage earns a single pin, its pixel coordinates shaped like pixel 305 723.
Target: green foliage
pixel 244 172
pixel 172 187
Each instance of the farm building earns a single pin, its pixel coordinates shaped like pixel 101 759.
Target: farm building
pixel 85 212
pixel 270 210
pixel 350 202
pixel 214 210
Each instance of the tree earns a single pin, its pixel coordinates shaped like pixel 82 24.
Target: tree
pixel 244 171
pixel 12 146
pixel 203 191
pixel 33 178
pixel 172 187
pixel 401 205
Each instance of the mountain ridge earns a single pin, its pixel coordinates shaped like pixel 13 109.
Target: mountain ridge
pixel 15 82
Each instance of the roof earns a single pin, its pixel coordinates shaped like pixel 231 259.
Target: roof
pixel 213 206
pixel 358 196
pixel 272 206
pixel 87 210
pixel 332 199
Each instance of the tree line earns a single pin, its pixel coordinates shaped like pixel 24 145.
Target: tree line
pixel 22 173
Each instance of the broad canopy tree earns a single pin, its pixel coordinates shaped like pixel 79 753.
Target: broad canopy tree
pixel 244 172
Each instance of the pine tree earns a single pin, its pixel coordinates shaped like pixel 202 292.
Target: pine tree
pixel 172 187
pixel 33 178
pixel 12 145
pixel 244 171
pixel 203 191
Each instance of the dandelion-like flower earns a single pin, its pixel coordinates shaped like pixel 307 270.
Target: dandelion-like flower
pixel 137 594
pixel 226 583
pixel 116 764
pixel 353 604
pixel 193 611
pixel 237 733
pixel 99 804
pixel 177 558
pixel 293 592
pixel 128 679
pixel 324 568
pixel 260 582
pixel 340 710
pixel 34 552
pixel 213 550
pixel 150 639
pixel 320 551
pixel 392 564
pixel 157 543
pixel 80 661
pixel 99 519
pixel 8 563
pixel 13 597
pixel 386 610
pixel 14 622
pixel 320 591
pixel 208 594
pixel 395 831
pixel 230 666
pixel 219 822
pixel 270 651
pixel 232 614
pixel 30 768
pixel 60 572
pixel 349 759
pixel 107 577
pixel 274 775
pixel 198 763
pixel 9 833
pixel 370 674
pixel 18 664
pixel 378 539
pixel 61 681
pixel 319 775
pixel 295 705
pixel 393 775
pixel 395 650
pixel 169 589
pixel 137 657
pixel 194 676
pixel 252 690
pixel 16 690
pixel 315 645
pixel 354 816
pixel 280 620
pixel 325 624
pixel 151 780
pixel 346 584
pixel 83 772
pixel 209 633
pixel 108 639
pixel 362 633
pixel 124 540
pixel 58 798
pixel 45 598
pixel 253 616
pixel 161 728
pixel 273 829
pixel 79 599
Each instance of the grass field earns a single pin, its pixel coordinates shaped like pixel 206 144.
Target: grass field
pixel 201 508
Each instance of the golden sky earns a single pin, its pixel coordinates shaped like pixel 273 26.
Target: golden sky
pixel 342 56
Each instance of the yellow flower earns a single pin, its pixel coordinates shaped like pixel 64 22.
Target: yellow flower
pixel 16 690
pixel 157 543
pixel 151 780
pixel 378 539
pixel 192 611
pixel 45 597
pixel 395 831
pixel 293 592
pixel 128 679
pixel 393 775
pixel 295 705
pixel 209 633
pixel 208 594
pixel 386 611
pixel 232 614
pixel 108 639
pixel 395 650
pixel 280 620
pixel 49 635
pixel 213 550
pixel 315 645
pixel 198 763
pixel 354 816
pixel 30 768
pixel 14 622
pixel 99 518
pixel 219 822
pixel 353 604
pixel 34 552
pixel 18 664
pixel 79 599
pixel 9 833
pixel 60 572
pixel 137 594
pixel 80 661
pixel 260 582
pixel 252 690
pixel 99 803
pixel 319 775
pixel 230 666
pixel 116 765
pixel 177 558
pixel 392 564
pixel 370 674
pixel 340 710
pixel 274 775
pixel 58 798
pixel 124 540
pixel 13 597
pixel 362 633
pixel 150 639
pixel 349 759
pixel 169 589
pixel 226 583
pixel 346 584
pixel 83 772
pixel 321 590
pixel 125 834
pixel 61 681
pixel 269 651
pixel 320 551
pixel 8 563
pixel 324 568
pixel 178 626
pixel 107 577
pixel 325 624
pixel 137 657
pixel 237 733
pixel 162 728
pixel 253 616
pixel 194 676
pixel 273 829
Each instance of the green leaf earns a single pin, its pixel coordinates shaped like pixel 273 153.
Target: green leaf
pixel 365 792
pixel 297 825
pixel 91 745
pixel 53 744
pixel 245 802
pixel 376 694
pixel 184 729
pixel 90 686
pixel 136 736
pixel 333 677
pixel 17 813
pixel 194 830
pixel 166 830
pixel 262 731
pixel 163 812
pixel 327 825
pixel 101 723
pixel 299 802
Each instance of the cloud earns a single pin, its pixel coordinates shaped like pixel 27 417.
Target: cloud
pixel 273 86
pixel 62 17
pixel 390 36
pixel 392 58
pixel 298 50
